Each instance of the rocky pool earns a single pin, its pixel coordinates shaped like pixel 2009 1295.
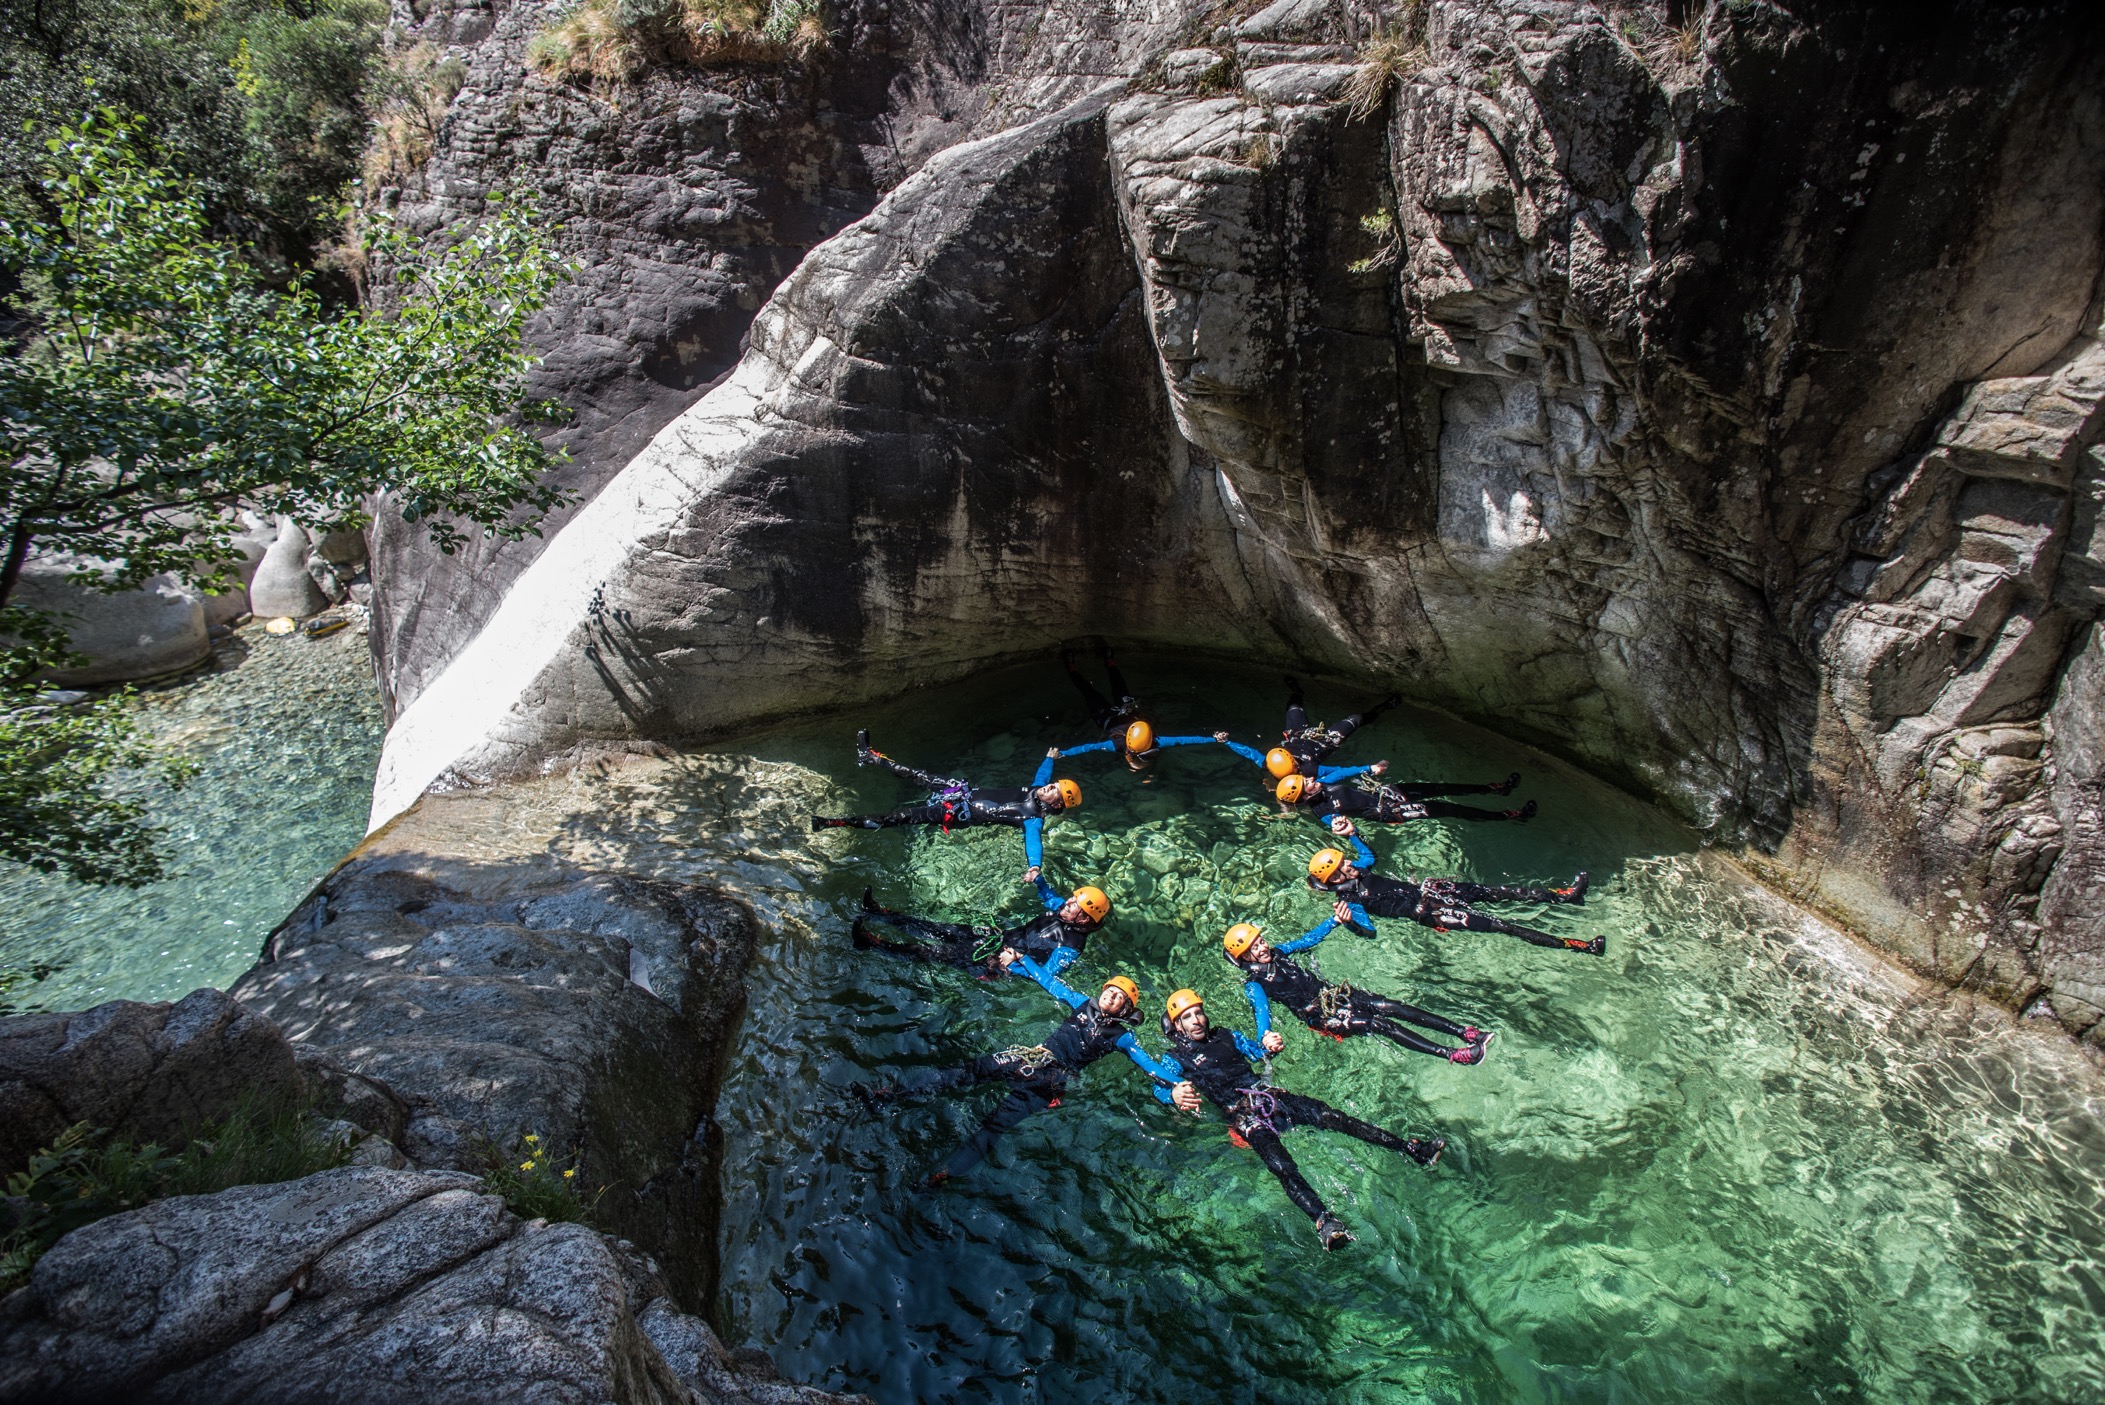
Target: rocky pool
pixel 285 732
pixel 1736 1159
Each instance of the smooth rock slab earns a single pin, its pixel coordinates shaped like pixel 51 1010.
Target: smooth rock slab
pixel 352 1286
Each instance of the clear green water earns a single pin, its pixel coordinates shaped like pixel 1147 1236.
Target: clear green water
pixel 1735 1160
pixel 286 732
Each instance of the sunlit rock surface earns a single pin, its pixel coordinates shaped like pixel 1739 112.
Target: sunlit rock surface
pixel 1715 408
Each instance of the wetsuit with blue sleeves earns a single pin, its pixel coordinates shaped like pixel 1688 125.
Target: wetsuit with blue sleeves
pixel 1218 1065
pixel 1400 804
pixel 1047 938
pixel 1310 743
pixel 1326 774
pixel 956 804
pixel 1037 1077
pixel 1340 1010
pixel 1443 904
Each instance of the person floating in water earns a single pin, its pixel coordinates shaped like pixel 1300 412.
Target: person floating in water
pixel 955 804
pixel 1271 975
pixel 1279 763
pixel 1442 904
pixel 1306 743
pixel 1037 1077
pixel 1055 938
pixel 1125 731
pixel 1393 803
pixel 1215 1061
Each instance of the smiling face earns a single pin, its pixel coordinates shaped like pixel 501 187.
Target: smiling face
pixel 1112 1001
pixel 1260 952
pixel 1192 1023
pixel 1048 797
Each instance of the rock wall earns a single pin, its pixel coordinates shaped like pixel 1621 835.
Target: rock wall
pixel 1712 404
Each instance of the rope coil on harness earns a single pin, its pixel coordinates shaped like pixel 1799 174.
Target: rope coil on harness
pixel 1027 1060
pixel 1258 1106
pixel 988 944
pixel 1335 1003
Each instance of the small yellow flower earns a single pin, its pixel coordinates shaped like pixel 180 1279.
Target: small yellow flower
pixel 568 1174
pixel 526 1165
pixel 531 1137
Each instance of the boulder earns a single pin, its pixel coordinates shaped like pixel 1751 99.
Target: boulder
pixel 491 1000
pixel 282 584
pixel 151 1072
pixel 357 1285
pixel 126 635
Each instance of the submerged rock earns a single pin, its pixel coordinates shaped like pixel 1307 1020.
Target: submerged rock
pixel 357 1285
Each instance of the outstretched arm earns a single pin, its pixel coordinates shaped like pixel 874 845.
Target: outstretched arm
pixel 1358 920
pixel 1363 856
pixel 1249 1047
pixel 1044 776
pixel 1055 987
pixel 1172 1072
pixel 1046 894
pixel 1045 771
pixel 1261 1004
pixel 1163 1070
pixel 1034 841
pixel 1308 939
pixel 1248 753
pixel 1181 741
pixel 1330 774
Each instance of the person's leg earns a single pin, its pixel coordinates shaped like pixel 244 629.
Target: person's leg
pixel 1425 790
pixel 1367 1003
pixel 1305 1111
pixel 1270 1150
pixel 925 813
pixel 1024 1100
pixel 1119 689
pixel 1442 810
pixel 1506 893
pixel 1296 707
pixel 1099 706
pixel 1471 921
pixel 951 943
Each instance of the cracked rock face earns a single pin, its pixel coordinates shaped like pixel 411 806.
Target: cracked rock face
pixel 1717 407
pixel 497 1000
pixel 358 1285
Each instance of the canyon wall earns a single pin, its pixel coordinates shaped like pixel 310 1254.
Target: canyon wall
pixel 1708 394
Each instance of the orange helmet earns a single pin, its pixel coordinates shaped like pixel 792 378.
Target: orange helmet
pixel 1070 794
pixel 1180 1002
pixel 1093 901
pixel 1240 938
pixel 1124 986
pixel 1280 762
pixel 1290 789
pixel 1324 866
pixel 1140 737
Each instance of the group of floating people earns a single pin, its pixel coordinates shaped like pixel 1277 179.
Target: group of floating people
pixel 1204 1061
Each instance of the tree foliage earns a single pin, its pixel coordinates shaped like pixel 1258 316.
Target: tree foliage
pixel 160 384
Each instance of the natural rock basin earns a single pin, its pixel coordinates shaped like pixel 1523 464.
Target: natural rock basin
pixel 1737 1158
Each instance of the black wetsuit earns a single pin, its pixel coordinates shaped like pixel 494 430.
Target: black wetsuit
pixel 1307 744
pixel 1399 804
pixel 1037 1078
pixel 1342 1011
pixel 1443 903
pixel 1218 1068
pixel 1112 717
pixel 953 804
pixel 976 949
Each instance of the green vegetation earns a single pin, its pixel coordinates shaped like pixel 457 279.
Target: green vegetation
pixel 158 383
pixel 1397 52
pixel 1388 242
pixel 612 41
pixel 87 1175
pixel 260 104
pixel 536 1184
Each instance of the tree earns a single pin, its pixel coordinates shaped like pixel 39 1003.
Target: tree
pixel 161 385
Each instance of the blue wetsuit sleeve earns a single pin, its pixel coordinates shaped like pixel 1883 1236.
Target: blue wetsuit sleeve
pixel 1181 741
pixel 1328 774
pixel 1055 987
pixel 1174 1072
pixel 1361 923
pixel 1044 776
pixel 1034 841
pixel 1248 753
pixel 1262 1004
pixel 1104 745
pixel 1046 894
pixel 1365 857
pixel 1061 958
pixel 1250 1049
pixel 1309 938
pixel 1148 1063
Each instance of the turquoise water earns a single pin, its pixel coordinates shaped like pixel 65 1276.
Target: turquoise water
pixel 1734 1160
pixel 286 733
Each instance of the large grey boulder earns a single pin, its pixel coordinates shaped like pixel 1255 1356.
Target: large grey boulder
pixel 498 999
pixel 127 636
pixel 283 586
pixel 360 1286
pixel 150 1072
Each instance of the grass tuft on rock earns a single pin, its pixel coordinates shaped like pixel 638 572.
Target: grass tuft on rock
pixel 536 1184
pixel 87 1174
pixel 608 42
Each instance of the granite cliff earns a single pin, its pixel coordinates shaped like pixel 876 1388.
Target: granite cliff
pixel 1710 394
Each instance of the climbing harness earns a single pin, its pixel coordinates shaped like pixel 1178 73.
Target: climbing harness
pixel 1335 1002
pixel 1028 1061
pixel 957 803
pixel 988 942
pixel 1257 1107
